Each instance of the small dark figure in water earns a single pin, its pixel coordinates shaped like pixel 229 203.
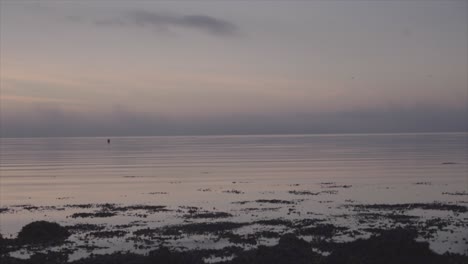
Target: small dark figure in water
pixel 108 141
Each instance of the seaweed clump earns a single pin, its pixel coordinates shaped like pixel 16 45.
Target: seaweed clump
pixel 391 246
pixel 290 249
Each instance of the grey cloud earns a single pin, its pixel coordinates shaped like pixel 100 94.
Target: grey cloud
pixel 123 122
pixel 166 21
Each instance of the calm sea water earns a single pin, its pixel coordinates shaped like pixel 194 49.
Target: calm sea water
pixel 382 168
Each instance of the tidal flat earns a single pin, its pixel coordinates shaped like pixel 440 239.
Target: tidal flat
pixel 250 231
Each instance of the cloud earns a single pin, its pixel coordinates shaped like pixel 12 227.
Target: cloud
pixel 166 21
pixel 120 121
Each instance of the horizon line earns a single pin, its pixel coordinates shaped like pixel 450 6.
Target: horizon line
pixel 240 135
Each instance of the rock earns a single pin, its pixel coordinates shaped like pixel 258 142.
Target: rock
pixel 42 231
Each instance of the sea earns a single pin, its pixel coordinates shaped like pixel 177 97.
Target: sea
pixel 40 176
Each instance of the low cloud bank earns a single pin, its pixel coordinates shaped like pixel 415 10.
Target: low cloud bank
pixel 120 122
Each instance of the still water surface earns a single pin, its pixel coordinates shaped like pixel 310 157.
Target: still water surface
pixel 381 168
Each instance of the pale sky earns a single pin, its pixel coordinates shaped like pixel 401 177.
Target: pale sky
pixel 123 68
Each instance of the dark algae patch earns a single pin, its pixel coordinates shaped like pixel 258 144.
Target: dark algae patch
pixel 385 247
pixel 84 228
pixel 189 229
pixel 290 249
pixel 334 185
pixel 301 192
pixel 393 246
pixel 325 230
pixel 107 234
pixel 455 193
pixel 250 239
pixel 275 222
pixel 199 215
pixel 268 201
pixel 233 191
pixel 109 210
pixel 388 247
pixel 203 228
pixel 410 206
pixel 148 208
pixel 274 201
pixel 93 215
pixel 422 183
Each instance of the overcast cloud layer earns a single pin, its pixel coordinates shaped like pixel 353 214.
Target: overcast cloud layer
pixel 125 68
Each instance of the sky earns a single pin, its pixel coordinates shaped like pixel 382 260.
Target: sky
pixel 140 68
